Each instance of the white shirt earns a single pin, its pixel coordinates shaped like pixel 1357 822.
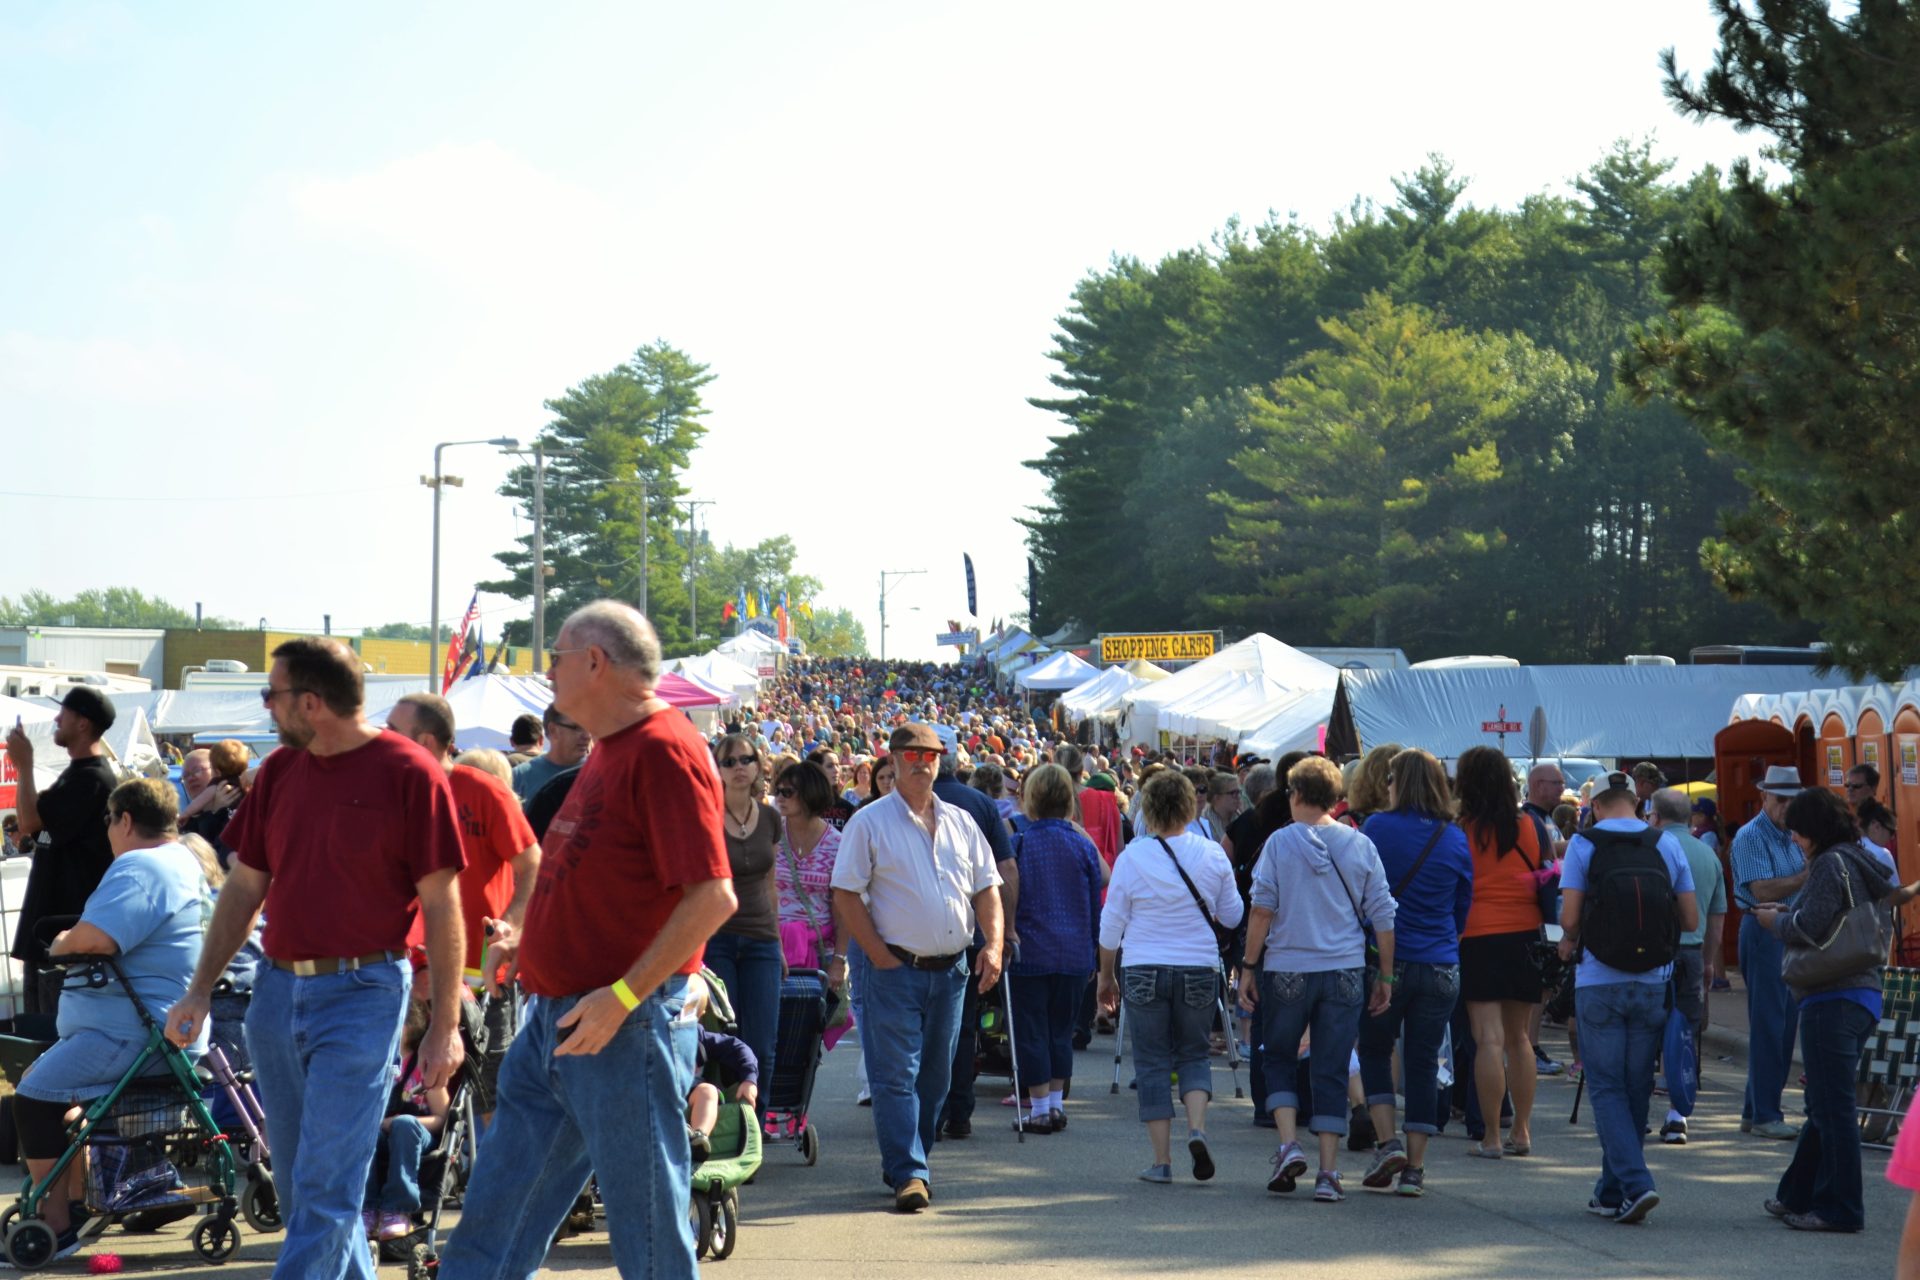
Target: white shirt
pixel 1150 912
pixel 919 889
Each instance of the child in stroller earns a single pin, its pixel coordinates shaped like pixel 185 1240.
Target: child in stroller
pixel 729 1059
pixel 414 1117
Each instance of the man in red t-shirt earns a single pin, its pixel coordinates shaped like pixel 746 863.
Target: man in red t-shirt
pixel 503 861
pixel 634 879
pixel 347 832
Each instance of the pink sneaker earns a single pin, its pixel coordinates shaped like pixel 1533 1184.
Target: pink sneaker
pixel 395 1225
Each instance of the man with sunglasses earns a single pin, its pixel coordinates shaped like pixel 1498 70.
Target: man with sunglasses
pixel 567 746
pixel 912 877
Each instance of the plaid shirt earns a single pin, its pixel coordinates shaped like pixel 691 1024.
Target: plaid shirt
pixel 1762 851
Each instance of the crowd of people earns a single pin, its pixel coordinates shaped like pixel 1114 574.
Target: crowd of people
pixel 1369 929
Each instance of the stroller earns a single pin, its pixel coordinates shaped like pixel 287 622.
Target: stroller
pixel 441 1165
pixel 788 1093
pixel 734 1147
pixel 152 1145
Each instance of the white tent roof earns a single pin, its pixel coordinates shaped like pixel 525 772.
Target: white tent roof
pixel 1061 671
pixel 1605 712
pixel 717 671
pixel 484 708
pixel 1100 697
pixel 751 642
pixel 1298 725
pixel 1286 667
pixel 1014 641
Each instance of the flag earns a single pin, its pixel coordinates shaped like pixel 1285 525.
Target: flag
pixel 479 663
pixel 751 611
pixel 765 612
pixel 806 610
pixel 1033 596
pixel 499 650
pixel 727 611
pixel 786 615
pixel 973 603
pixel 457 644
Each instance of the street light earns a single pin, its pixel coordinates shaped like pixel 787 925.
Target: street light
pixel 437 482
pixel 885 587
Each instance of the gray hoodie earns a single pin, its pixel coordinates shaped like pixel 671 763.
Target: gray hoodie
pixel 1319 881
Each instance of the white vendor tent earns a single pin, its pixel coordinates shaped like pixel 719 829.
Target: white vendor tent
pixel 1061 671
pixel 1100 697
pixel 1604 712
pixel 718 671
pixel 1285 668
pixel 1299 725
pixel 485 707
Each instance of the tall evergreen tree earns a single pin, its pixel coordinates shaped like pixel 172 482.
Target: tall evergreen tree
pixel 1795 336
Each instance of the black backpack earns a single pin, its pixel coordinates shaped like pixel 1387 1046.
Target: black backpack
pixel 1630 917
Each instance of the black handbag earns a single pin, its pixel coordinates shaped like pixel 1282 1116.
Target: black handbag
pixel 1223 938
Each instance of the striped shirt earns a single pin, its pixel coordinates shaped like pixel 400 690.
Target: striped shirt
pixel 1762 851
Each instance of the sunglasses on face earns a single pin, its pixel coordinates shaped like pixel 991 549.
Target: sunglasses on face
pixel 918 755
pixel 785 793
pixel 735 762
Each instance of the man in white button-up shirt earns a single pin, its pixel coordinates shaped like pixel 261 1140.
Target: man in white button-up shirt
pixel 912 877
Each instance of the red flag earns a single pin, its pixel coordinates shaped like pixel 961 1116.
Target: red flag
pixel 457 644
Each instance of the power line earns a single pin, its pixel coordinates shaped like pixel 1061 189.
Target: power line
pixel 197 499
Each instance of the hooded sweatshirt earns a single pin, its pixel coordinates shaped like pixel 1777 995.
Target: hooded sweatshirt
pixel 1320 882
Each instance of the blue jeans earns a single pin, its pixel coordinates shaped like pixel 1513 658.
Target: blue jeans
pixel 619 1115
pixel 1622 1025
pixel 1169 1015
pixel 1045 1008
pixel 909 1021
pixel 1824 1176
pixel 1423 1000
pixel 323 1052
pixel 396 1189
pixel 751 969
pixel 1772 1018
pixel 1330 1002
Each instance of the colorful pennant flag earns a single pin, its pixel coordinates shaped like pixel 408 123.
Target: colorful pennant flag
pixel 457 645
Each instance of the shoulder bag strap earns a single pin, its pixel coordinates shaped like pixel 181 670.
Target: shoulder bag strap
pixel 1407 879
pixel 799 890
pixel 1187 880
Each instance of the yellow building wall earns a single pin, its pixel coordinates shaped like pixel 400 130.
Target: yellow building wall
pixel 187 647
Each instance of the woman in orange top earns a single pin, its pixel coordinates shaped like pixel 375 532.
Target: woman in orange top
pixel 1497 977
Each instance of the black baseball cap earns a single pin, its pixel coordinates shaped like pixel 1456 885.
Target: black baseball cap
pixel 96 706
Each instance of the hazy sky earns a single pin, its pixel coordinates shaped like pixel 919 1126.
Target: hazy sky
pixel 255 261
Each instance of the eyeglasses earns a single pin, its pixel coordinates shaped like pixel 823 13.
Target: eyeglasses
pixel 554 655
pixel 268 693
pixel 735 762
pixel 785 793
pixel 1858 786
pixel 918 755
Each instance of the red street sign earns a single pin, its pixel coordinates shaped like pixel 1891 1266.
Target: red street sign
pixel 1501 726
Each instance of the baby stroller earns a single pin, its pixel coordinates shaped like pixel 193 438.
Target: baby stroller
pixel 439 1165
pixel 734 1146
pixel 152 1145
pixel 787 1092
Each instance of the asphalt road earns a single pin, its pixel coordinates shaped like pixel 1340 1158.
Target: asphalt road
pixel 1069 1205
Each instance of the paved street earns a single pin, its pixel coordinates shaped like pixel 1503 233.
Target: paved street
pixel 1070 1204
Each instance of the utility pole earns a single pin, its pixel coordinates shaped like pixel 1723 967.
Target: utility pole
pixel 539 556
pixel 884 588
pixel 436 482
pixel 645 536
pixel 693 564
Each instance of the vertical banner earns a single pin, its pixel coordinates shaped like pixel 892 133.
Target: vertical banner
pixel 973 600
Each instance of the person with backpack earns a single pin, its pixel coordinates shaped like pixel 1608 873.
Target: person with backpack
pixel 1626 894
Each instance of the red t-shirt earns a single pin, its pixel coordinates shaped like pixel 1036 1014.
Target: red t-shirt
pixel 346 839
pixel 493 831
pixel 642 822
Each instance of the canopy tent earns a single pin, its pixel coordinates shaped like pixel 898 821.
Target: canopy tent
pixel 718 671
pixel 1231 714
pixel 1100 697
pixel 1144 670
pixel 1592 711
pixel 1298 725
pixel 755 642
pixel 198 711
pixel 682 692
pixel 1013 642
pixel 1181 716
pixel 1285 667
pixel 1061 671
pixel 485 707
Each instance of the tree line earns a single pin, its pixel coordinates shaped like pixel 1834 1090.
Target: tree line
pixel 1644 413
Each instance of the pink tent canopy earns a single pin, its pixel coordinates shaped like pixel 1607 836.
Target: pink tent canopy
pixel 682 692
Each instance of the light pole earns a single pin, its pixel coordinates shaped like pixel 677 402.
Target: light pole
pixel 436 482
pixel 693 564
pixel 885 587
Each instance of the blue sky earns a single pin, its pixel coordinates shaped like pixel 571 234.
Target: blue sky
pixel 257 260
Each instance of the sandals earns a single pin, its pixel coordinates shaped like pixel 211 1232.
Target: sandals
pixel 1484 1153
pixel 1512 1148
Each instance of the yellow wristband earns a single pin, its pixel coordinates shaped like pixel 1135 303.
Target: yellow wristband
pixel 624 994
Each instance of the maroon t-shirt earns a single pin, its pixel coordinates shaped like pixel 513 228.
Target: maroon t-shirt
pixel 641 823
pixel 346 839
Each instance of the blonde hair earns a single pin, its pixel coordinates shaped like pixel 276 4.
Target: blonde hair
pixel 487 760
pixel 1315 781
pixel 1367 788
pixel 1048 793
pixel 1167 801
pixel 209 861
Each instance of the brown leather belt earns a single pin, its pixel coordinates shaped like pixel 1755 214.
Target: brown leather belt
pixel 930 964
pixel 335 964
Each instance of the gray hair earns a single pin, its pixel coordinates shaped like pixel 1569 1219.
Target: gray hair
pixel 1261 780
pixel 620 631
pixel 1670 804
